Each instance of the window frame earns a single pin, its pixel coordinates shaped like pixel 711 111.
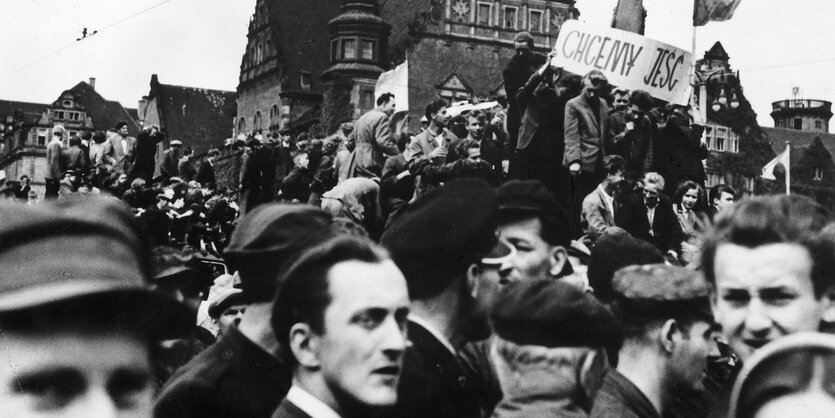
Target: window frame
pixel 489 13
pixel 515 17
pixel 539 20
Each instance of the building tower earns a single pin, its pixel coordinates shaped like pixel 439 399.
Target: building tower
pixel 358 54
pixel 802 114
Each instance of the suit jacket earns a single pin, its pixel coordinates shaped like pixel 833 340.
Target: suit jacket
pixel 288 409
pixel 541 134
pixel 119 152
pixel 424 143
pixel 665 231
pixel 433 382
pixel 514 75
pixel 585 133
pixel 374 141
pixel 596 214
pixel 170 161
pixel 205 174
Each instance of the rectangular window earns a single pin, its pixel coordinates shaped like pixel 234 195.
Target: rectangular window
pixel 535 21
pixel 367 50
pixel 41 137
pixel 734 142
pixel 306 79
pixel 818 174
pixel 349 49
pixel 818 124
pixel 59 115
pixel 509 17
pixel 798 124
pixel 721 136
pixel 708 135
pixel 484 12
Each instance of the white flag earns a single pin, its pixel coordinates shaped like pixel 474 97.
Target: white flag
pixel 396 82
pixel 783 158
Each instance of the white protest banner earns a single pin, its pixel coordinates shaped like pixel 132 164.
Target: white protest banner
pixel 396 82
pixel 627 59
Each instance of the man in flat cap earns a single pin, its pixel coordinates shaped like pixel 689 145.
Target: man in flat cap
pixel 170 159
pixel 549 349
pixel 227 309
pixel 447 247
pixel 341 316
pixel 78 325
pixel 242 375
pixel 668 334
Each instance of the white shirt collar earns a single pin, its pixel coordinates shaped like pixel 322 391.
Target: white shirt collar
pixel 310 404
pixel 432 330
pixel 609 199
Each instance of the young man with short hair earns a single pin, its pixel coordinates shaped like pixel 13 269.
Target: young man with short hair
pixel 340 316
pixel 599 206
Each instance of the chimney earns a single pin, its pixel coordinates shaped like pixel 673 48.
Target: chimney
pixel 92 83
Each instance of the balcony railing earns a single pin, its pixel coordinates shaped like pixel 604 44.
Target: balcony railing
pixel 800 104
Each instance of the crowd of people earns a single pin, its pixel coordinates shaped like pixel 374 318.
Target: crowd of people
pixel 550 258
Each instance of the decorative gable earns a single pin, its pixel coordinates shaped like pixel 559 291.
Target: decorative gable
pixel 455 82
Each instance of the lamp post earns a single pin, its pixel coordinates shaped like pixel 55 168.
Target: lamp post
pixel 704 77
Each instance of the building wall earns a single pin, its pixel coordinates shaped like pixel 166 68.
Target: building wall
pixel 808 123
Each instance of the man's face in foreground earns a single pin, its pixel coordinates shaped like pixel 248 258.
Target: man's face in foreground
pixel 534 257
pixel 764 293
pixel 361 349
pixel 75 374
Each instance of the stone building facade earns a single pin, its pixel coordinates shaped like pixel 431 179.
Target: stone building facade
pixel 286 53
pixel 457 49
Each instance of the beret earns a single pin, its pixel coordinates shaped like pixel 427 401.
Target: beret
pixel 614 250
pixel 660 290
pixel 442 233
pixel 552 313
pixel 269 237
pixel 529 195
pixel 76 248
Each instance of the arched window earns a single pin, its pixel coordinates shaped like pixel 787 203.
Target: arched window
pixel 241 125
pixel 256 121
pixel 274 115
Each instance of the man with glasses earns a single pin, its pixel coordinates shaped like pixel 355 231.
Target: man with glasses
pixel 586 130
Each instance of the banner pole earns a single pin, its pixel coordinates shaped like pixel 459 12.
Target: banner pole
pixel 788 169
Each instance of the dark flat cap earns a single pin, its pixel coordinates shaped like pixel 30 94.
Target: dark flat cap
pixel 72 249
pixel 660 291
pixel 530 195
pixel 445 231
pixel 268 238
pixel 523 36
pixel 614 250
pixel 552 313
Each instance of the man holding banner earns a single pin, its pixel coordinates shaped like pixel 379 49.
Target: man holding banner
pixel 373 140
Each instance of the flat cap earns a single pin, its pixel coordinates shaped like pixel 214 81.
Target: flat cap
pixel 552 313
pixel 269 237
pixel 523 36
pixel 224 299
pixel 660 290
pixel 77 248
pixel 445 231
pixel 529 195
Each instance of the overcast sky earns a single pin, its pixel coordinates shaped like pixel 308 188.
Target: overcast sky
pixel 200 42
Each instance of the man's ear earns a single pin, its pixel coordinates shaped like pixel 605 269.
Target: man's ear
pixel 473 274
pixel 304 343
pixel 670 335
pixel 559 256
